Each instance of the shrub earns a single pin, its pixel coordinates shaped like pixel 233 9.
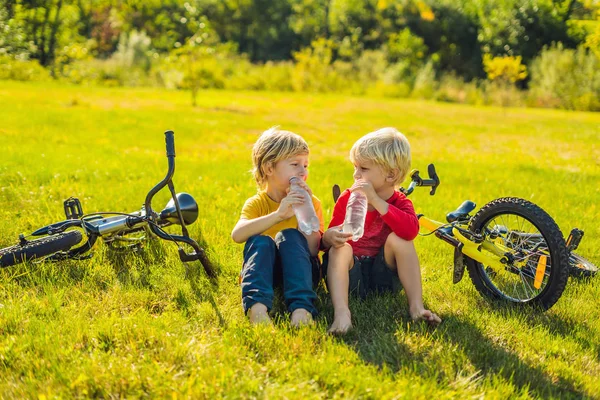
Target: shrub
pixel 22 70
pixel 506 69
pixel 313 70
pixel 566 78
pixel 371 66
pixel 502 93
pixel 425 82
pixel 455 90
pixel 134 50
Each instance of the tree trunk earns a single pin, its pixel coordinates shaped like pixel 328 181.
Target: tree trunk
pixel 569 10
pixel 42 44
pixel 86 19
pixel 55 25
pixel 326 22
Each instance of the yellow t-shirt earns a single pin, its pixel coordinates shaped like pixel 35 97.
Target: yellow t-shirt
pixel 261 205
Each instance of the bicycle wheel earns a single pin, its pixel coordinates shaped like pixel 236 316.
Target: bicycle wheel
pixel 536 261
pixel 39 248
pixel 580 267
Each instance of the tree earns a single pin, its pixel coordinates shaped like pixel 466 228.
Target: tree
pixel 13 40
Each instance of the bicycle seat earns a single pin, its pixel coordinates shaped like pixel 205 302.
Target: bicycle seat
pixel 461 212
pixel 336 192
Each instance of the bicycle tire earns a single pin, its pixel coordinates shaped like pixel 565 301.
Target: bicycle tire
pixel 555 277
pixel 581 267
pixel 39 248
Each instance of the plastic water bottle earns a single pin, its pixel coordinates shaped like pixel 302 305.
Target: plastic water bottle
pixel 356 213
pixel 308 222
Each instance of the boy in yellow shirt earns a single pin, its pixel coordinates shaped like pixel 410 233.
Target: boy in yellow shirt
pixel 275 249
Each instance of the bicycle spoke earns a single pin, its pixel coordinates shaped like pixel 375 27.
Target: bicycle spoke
pixel 527 245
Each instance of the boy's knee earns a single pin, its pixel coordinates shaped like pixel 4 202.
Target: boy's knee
pixel 345 250
pixel 394 242
pixel 260 242
pixel 289 235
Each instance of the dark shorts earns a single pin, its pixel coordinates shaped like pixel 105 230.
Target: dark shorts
pixel 370 275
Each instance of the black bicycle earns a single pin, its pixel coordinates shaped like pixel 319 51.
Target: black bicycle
pixel 65 239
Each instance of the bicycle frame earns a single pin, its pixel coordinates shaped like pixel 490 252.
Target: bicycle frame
pixel 468 247
pixel 182 210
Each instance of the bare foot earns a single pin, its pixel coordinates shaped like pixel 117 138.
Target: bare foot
pixel 301 317
pixel 342 322
pixel 425 315
pixel 258 314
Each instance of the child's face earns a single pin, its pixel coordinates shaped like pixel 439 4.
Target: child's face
pixel 283 170
pixel 372 173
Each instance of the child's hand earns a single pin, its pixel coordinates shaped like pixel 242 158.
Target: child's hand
pixel 335 237
pixel 304 185
pixel 286 209
pixel 365 187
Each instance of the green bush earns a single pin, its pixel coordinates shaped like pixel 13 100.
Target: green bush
pixel 425 82
pixel 502 93
pixel 395 90
pixel 313 71
pixel 566 78
pixel 22 70
pixel 371 66
pixel 106 73
pixel 453 89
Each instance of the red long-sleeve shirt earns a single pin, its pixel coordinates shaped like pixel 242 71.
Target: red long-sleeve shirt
pixel 400 219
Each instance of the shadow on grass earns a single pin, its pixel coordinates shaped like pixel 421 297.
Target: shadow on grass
pixel 568 328
pixel 133 265
pixel 202 286
pixel 375 322
pixel 493 359
pixel 384 335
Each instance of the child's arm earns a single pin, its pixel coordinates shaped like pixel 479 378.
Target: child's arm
pixel 334 235
pixel 400 217
pixel 245 228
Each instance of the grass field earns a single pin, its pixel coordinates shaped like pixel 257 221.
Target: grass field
pixel 136 325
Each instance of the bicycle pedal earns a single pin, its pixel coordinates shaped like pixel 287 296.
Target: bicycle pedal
pixel 574 239
pixel 60 256
pixel 73 209
pixel 82 257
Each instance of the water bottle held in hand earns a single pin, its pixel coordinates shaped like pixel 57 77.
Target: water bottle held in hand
pixel 356 213
pixel 308 222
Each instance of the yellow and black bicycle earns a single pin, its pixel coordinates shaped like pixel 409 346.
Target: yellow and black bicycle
pixel 512 249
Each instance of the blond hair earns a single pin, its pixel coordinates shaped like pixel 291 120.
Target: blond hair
pixel 274 145
pixel 387 148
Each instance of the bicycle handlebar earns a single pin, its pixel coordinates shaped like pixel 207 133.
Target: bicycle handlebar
pixel 416 180
pixel 198 253
pixel 170 143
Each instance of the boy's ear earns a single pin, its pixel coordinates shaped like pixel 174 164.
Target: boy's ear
pixel 392 175
pixel 268 168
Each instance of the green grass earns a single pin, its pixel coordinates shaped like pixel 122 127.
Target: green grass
pixel 136 325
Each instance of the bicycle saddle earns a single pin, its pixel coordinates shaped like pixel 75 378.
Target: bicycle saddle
pixel 461 212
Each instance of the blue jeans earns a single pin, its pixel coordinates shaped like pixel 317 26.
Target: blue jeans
pixel 287 257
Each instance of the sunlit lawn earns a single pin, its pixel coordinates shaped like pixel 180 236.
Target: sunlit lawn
pixel 136 325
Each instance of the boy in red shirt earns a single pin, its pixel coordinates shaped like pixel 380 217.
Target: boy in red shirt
pixel 384 258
